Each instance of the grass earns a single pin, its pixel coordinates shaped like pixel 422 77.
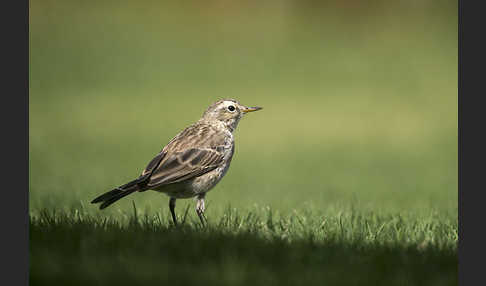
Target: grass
pixel 348 176
pixel 257 247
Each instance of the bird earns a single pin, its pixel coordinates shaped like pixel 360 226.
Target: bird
pixel 192 163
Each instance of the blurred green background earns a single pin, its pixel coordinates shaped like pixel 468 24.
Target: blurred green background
pixel 359 97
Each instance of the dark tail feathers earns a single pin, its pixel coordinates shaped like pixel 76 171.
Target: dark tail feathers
pixel 114 195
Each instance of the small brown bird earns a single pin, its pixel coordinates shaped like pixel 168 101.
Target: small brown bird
pixel 193 162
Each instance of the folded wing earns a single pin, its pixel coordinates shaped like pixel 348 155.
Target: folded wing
pixel 184 165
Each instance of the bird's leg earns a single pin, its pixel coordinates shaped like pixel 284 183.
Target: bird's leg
pixel 172 203
pixel 200 207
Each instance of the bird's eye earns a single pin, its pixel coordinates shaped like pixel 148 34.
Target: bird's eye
pixel 231 108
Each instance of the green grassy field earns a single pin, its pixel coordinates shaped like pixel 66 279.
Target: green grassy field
pixel 259 247
pixel 348 176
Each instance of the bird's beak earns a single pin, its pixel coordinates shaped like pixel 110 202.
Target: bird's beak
pixel 251 109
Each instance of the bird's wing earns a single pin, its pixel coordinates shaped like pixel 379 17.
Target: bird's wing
pixel 195 151
pixel 184 165
pixel 153 164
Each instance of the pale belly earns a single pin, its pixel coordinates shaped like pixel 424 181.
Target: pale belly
pixel 195 186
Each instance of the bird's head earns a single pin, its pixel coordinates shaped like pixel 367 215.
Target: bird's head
pixel 227 111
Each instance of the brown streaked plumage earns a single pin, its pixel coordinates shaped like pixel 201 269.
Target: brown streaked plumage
pixel 193 162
